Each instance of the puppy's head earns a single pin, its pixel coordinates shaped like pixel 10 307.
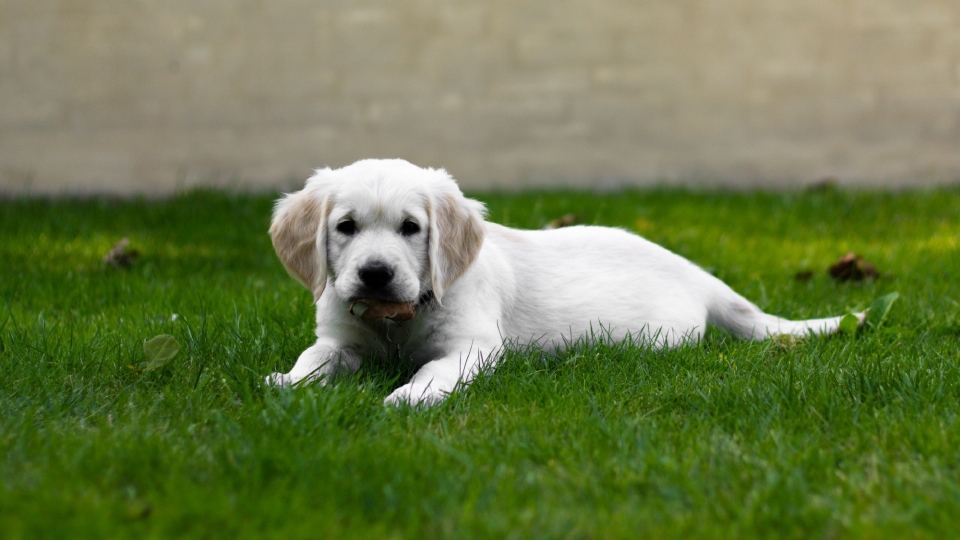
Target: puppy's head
pixel 382 229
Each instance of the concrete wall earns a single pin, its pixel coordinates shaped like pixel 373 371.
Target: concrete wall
pixel 149 95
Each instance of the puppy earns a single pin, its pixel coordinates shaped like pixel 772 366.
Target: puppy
pixel 390 236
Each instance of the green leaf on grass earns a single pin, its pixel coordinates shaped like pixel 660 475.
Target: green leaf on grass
pixel 849 324
pixel 880 307
pixel 159 350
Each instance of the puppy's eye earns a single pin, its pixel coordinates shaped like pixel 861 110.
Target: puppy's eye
pixel 347 227
pixel 409 228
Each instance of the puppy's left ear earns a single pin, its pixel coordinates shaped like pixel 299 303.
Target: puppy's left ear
pixel 456 236
pixel 299 234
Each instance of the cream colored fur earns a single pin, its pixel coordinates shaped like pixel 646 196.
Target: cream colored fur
pixel 491 284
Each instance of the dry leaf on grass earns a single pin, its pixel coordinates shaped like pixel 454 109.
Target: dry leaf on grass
pixel 565 221
pixel 852 267
pixel 119 256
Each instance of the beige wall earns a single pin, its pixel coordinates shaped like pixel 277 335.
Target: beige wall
pixel 150 95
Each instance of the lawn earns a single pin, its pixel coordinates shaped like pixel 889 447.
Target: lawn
pixel 849 436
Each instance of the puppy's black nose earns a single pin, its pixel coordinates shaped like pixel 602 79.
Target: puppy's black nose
pixel 376 275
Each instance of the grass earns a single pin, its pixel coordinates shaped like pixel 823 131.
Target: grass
pixel 840 437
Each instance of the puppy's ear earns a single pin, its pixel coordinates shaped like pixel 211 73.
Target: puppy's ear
pixel 456 235
pixel 299 234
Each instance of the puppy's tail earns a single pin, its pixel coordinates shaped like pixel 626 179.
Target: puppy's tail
pixel 735 313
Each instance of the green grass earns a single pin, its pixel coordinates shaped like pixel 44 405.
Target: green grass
pixel 826 438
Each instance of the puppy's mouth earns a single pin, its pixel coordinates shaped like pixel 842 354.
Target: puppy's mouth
pixel 382 296
pixel 370 309
pixel 387 297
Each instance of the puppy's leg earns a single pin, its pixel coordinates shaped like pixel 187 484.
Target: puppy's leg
pixel 324 358
pixel 436 379
pixel 729 310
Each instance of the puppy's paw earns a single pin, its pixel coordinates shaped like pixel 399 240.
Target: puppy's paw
pixel 415 394
pixel 291 379
pixel 279 379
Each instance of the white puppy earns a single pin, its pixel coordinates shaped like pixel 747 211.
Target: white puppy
pixel 389 230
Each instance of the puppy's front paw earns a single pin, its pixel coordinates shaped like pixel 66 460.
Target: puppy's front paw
pixel 415 394
pixel 292 379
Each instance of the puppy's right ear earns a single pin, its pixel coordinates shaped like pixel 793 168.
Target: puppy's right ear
pixel 299 234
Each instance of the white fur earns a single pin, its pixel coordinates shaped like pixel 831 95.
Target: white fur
pixel 516 287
